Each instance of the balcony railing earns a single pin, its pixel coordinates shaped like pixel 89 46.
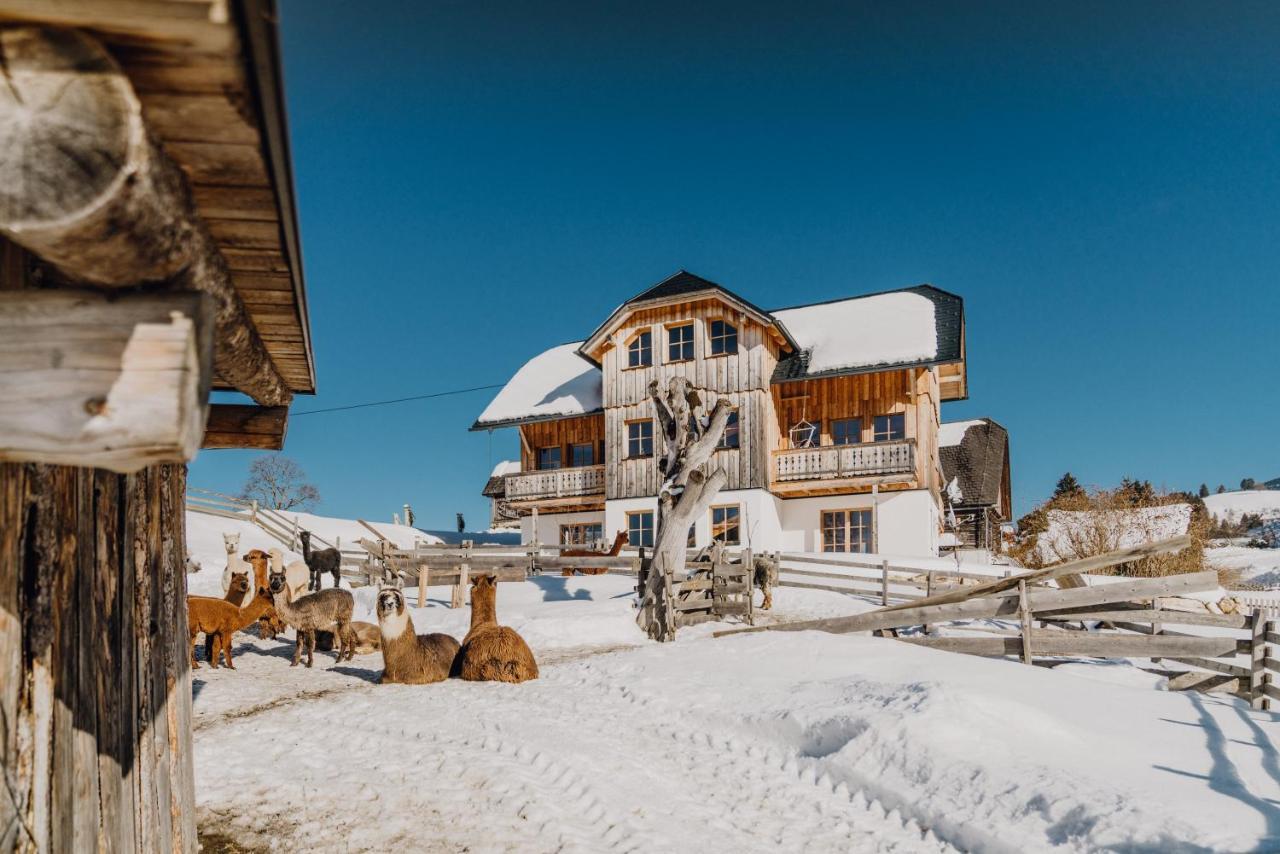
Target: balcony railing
pixel 555 483
pixel 837 461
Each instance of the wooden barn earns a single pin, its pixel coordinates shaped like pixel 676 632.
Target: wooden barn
pixel 148 255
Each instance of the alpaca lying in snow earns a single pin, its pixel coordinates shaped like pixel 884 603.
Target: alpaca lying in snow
pixel 490 652
pixel 407 657
pixel 235 563
pixel 324 610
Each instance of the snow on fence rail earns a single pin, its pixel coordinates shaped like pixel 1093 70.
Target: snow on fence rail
pixel 881 579
pixel 1121 619
pixel 280 527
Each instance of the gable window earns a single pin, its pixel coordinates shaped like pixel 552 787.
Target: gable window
pixel 680 342
pixel 846 530
pixel 803 435
pixel 582 455
pixel 640 351
pixel 846 431
pixel 890 428
pixel 581 534
pixel 729 438
pixel 724 338
pixel 639 439
pixel 724 525
pixel 640 529
pixel 549 458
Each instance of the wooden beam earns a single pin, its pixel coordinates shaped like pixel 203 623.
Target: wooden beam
pixel 1085 644
pixel 84 185
pixel 199 24
pixel 88 380
pixel 235 425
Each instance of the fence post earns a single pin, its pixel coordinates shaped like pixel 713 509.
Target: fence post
pixel 884 583
pixel 1024 611
pixel 749 579
pixel 253 512
pixel 1258 657
pixel 423 575
pixel 1270 629
pixel 464 568
pixel 928 591
pixel 293 538
pixel 1156 627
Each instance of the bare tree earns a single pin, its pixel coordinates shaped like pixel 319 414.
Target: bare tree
pixel 689 436
pixel 279 483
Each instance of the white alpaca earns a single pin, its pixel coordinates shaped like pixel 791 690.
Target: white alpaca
pixel 296 574
pixel 235 563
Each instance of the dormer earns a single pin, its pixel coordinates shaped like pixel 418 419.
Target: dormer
pixel 713 325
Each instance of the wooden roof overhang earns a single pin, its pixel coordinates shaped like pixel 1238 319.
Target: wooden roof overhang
pixel 207 74
pixel 594 347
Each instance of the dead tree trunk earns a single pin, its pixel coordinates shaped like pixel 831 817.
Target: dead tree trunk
pixel 689 436
pixel 85 186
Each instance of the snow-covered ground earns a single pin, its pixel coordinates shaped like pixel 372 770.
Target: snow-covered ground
pixel 1254 566
pixel 768 742
pixel 1233 505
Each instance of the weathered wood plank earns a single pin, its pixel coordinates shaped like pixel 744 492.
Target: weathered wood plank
pixel 1178 618
pixel 233 425
pixel 1084 644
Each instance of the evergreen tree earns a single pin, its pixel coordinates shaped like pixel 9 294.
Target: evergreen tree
pixel 1248 483
pixel 1221 489
pixel 1068 487
pixel 1204 490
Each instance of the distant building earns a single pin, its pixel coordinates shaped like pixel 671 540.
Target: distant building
pixel 834 445
pixel 501 516
pixel 975 464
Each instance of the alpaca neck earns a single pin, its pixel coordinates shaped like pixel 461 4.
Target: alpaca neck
pixel 394 626
pixel 306 550
pixel 253 612
pixel 483 608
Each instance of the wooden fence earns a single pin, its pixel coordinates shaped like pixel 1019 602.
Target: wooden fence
pixel 1121 618
pixel 881 579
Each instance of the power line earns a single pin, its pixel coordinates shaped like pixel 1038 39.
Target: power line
pixel 398 400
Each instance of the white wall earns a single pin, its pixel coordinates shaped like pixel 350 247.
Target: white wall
pixel 615 513
pixel 549 525
pixel 757 515
pixel 906 521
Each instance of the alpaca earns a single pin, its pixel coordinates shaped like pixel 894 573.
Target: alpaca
pixel 321 610
pixel 321 561
pixel 220 620
pixel 368 637
pixel 490 652
pixel 231 542
pixel 270 625
pixel 618 542
pixel 296 574
pixel 410 658
pixel 236 595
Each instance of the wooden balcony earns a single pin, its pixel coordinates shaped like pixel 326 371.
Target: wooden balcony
pixel 832 467
pixel 586 482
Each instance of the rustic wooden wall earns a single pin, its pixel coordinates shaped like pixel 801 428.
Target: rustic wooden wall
pixel 560 433
pixel 95 687
pixel 742 376
pixel 862 396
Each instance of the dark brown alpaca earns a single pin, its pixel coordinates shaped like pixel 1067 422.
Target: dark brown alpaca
pixel 618 542
pixel 236 594
pixel 490 652
pixel 410 658
pixel 220 620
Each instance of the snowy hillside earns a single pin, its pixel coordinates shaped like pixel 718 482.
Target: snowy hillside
pixel 205 545
pixel 1074 534
pixel 1232 505
pixel 759 743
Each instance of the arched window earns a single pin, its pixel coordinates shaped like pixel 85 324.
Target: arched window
pixel 640 351
pixel 724 338
pixel 804 434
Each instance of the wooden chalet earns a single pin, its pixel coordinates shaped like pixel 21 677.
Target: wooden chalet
pixel 975 463
pixel 149 254
pixel 834 445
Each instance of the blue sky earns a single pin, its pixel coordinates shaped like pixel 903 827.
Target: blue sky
pixel 1100 182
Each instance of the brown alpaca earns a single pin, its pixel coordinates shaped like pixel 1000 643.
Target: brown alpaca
pixel 270 625
pixel 220 620
pixel 236 595
pixel 618 542
pixel 490 652
pixel 410 658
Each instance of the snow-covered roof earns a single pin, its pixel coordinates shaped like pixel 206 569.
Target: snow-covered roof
pixel 952 433
pixel 554 384
pixel 883 329
pixel 505 467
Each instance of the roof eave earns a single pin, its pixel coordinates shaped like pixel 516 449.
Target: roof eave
pixel 480 426
pixel 870 369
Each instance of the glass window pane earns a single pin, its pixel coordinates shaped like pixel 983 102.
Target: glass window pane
pixel 640 439
pixel 729 439
pixel 582 455
pixel 640 351
pixel 549 458
pixel 890 428
pixel 846 431
pixel 724 525
pixel 640 529
pixel 724 338
pixel 680 343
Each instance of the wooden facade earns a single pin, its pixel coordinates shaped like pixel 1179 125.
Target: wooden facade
pixel 95 686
